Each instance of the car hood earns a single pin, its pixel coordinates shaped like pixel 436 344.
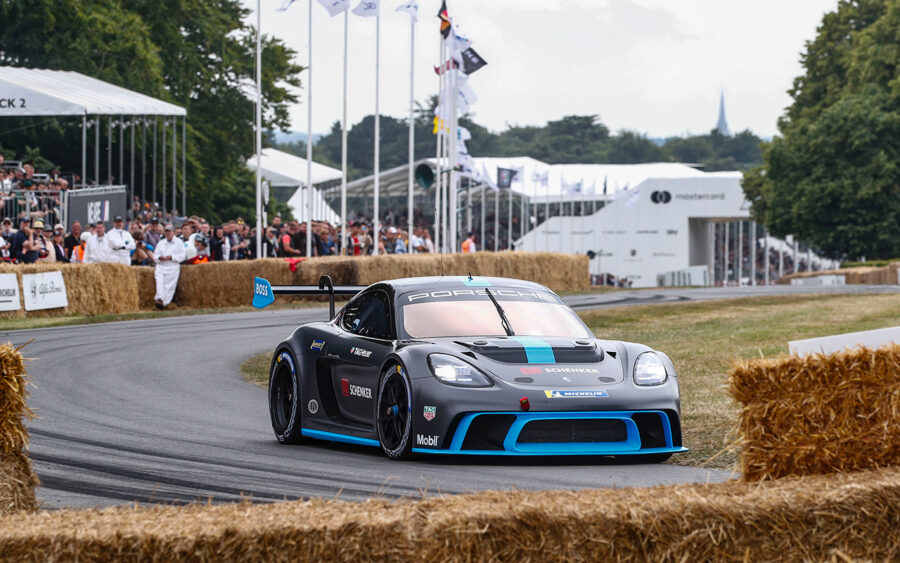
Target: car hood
pixel 546 362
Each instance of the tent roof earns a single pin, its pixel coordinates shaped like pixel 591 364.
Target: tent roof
pixel 35 91
pixel 282 169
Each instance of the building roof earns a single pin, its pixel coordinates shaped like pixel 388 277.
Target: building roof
pixel 282 169
pixel 56 92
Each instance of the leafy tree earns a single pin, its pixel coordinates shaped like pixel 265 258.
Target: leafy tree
pixel 832 175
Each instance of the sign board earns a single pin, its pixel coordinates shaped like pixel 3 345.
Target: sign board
pixel 44 291
pixel 90 205
pixel 826 279
pixel 9 292
pixel 839 342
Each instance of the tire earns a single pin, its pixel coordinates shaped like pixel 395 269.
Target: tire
pixel 284 398
pixel 393 420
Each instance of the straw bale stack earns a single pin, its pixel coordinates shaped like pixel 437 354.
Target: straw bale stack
pixel 17 479
pixel 818 413
pixel 866 275
pixel 816 518
pixel 92 289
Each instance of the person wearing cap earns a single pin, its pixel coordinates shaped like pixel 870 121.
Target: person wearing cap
pixel 57 244
pixel 169 254
pixel 197 253
pixel 77 255
pixel 23 250
pixel 153 233
pixel 44 241
pixel 97 248
pixel 73 239
pixel 121 243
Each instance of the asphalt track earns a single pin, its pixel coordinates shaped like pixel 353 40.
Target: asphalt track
pixel 155 411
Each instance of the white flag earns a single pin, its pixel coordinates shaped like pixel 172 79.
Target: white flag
pixel 335 7
pixel 519 175
pixel 366 8
pixel 285 5
pixel 465 96
pixel 411 8
pixel 487 178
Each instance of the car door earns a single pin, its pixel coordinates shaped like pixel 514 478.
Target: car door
pixel 366 338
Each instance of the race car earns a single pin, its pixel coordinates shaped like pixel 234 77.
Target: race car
pixel 467 366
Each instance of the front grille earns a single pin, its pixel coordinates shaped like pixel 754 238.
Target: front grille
pixel 650 427
pixel 488 431
pixel 573 430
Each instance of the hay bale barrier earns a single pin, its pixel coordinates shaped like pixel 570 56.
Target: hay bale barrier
pixel 17 478
pixel 843 517
pixel 818 414
pixel 865 275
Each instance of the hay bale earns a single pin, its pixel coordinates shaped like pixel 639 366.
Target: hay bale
pixel 818 414
pixel 17 479
pixel 842 517
pixel 865 275
pixel 92 289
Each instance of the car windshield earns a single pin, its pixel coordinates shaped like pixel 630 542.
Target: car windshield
pixel 475 315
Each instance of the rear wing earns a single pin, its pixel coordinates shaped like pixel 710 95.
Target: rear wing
pixel 264 293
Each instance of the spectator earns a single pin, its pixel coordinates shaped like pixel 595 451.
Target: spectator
pixel 469 245
pixel 120 242
pixel 97 248
pixel 270 242
pixel 142 255
pixel 23 249
pixel 416 243
pixel 77 256
pixel 288 241
pixel 6 236
pixel 154 233
pixel 168 255
pixel 59 249
pixel 197 253
pixel 73 239
pixel 426 238
pixel 44 241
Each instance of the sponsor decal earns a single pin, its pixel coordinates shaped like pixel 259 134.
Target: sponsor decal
pixel 672 232
pixel 531 370
pixel 317 345
pixel 700 196
pixel 570 370
pixel 430 413
pixel 350 390
pixel 361 352
pixel 424 440
pixel 554 394
pixel 287 358
pixel 313 406
pixel 661 197
pixel 449 294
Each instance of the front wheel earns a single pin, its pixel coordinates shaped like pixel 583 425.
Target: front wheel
pixel 284 397
pixel 393 418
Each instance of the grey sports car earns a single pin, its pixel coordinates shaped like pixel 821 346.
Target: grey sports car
pixel 468 366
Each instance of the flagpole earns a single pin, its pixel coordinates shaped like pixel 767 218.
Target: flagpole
pixel 412 127
pixel 562 186
pixel 258 129
pixel 546 213
pixel 452 194
pixel 344 149
pixel 377 220
pixel 309 139
pixel 439 127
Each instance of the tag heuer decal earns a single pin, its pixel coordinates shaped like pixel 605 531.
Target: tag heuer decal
pixel 430 413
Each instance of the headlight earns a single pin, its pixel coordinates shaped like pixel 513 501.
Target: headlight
pixel 454 371
pixel 649 370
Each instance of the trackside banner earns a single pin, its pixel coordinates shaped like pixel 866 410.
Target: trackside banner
pixel 44 291
pixel 9 292
pixel 90 205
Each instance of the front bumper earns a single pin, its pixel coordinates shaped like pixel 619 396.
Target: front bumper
pixel 564 433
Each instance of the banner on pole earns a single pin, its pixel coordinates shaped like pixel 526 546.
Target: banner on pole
pixel 335 7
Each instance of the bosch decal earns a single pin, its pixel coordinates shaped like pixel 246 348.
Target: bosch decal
pixel 317 345
pixel 430 413
pixel 554 394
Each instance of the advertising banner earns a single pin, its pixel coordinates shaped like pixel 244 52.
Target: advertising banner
pixel 44 291
pixel 9 292
pixel 91 205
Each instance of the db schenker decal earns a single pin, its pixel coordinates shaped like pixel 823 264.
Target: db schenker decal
pixel 553 394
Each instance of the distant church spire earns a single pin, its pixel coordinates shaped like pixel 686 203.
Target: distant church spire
pixel 722 125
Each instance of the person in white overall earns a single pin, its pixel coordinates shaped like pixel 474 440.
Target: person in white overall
pixel 120 243
pixel 169 254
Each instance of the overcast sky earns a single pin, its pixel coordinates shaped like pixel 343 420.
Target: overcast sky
pixel 655 66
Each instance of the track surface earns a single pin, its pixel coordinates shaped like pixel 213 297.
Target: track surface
pixel 155 411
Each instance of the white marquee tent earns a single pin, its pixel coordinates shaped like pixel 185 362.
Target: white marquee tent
pixel 29 92
pixel 285 170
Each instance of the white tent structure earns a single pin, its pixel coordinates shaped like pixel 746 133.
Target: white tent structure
pixel 284 170
pixel 40 92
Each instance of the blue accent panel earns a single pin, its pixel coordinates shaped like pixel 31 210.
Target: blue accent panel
pixel 511 447
pixel 331 436
pixel 476 282
pixel 262 293
pixel 536 350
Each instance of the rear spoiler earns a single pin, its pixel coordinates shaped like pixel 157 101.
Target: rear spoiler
pixel 264 293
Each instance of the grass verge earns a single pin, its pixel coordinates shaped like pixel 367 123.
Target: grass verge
pixel 703 338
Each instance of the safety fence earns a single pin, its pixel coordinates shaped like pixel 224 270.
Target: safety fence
pixel 816 414
pixel 95 289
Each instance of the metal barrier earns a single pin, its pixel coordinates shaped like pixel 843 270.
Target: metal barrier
pixel 87 205
pixel 43 204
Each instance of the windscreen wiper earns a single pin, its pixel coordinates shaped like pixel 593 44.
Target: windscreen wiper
pixel 503 320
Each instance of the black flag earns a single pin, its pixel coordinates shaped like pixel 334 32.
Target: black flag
pixel 505 177
pixel 472 61
pixel 445 20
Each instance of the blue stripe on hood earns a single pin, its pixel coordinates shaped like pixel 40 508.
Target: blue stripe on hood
pixel 536 350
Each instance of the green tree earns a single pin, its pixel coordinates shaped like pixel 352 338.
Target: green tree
pixel 831 176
